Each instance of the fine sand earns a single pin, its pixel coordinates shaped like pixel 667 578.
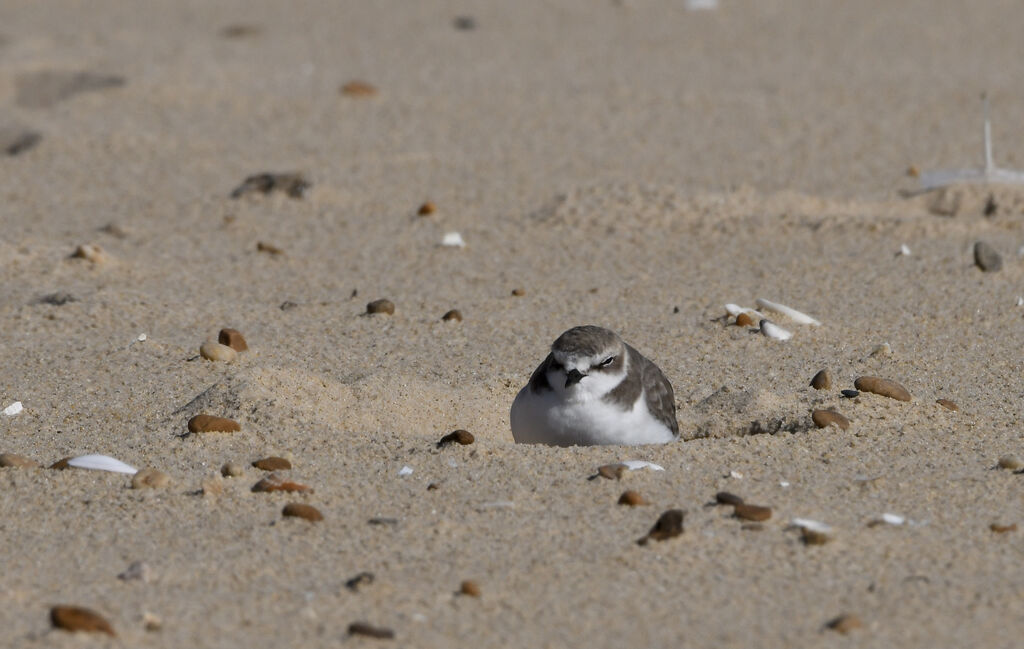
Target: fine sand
pixel 630 164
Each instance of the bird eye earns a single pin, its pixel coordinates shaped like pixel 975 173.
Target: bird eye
pixel 606 362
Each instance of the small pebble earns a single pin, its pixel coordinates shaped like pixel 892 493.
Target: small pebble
pixel 825 418
pixel 470 588
pixel 913 171
pixel 883 387
pixel 274 482
pixel 273 463
pixel 77 618
pixel 232 470
pixel 633 498
pixel 292 184
pixel 822 380
pixel 370 631
pixel 454 314
pixel 611 471
pixel 233 338
pixel 986 258
pixel 1003 529
pixel 752 512
pixel 151 622
pixel 669 525
pixel 62 464
pixel 360 580
pixel 1010 462
pixel 845 623
pixel 849 394
pixel 211 424
pixel 299 510
pixel 381 306
pixel 745 320
pixel 948 405
pixel 814 537
pixel 726 498
pixel 137 570
pixel 885 349
pixel 463 437
pixel 214 351
pixel 91 253
pixel 427 209
pixel 60 298
pixel 464 23
pixel 14 409
pixel 518 292
pixel 17 461
pixel 433 486
pixel 150 479
pixel 357 88
pixel 269 248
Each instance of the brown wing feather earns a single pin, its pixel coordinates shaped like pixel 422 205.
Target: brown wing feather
pixel 539 378
pixel 661 401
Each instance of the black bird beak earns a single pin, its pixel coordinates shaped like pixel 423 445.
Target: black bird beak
pixel 573 376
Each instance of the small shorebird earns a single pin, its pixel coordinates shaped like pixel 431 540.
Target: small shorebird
pixel 593 388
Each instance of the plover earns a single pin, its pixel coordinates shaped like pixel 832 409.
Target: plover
pixel 593 388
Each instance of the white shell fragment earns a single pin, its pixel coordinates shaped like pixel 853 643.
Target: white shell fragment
pixel 791 313
pixel 783 483
pixel 141 338
pixel 893 519
pixel 736 475
pixel 772 330
pixel 404 471
pixel 635 465
pixel 735 309
pixel 811 525
pixel 13 409
pixel 1020 300
pixel 102 463
pixel 904 250
pixel 453 240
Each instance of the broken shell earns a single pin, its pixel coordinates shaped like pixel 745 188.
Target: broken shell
pixel 381 306
pixel 825 418
pixel 272 463
pixel 77 618
pixel 611 471
pixel 752 512
pixel 300 510
pixel 13 409
pixel 274 482
pixel 150 479
pixel 822 380
pixel 232 470
pixel 726 498
pixel 470 588
pixel 813 532
pixel 453 240
pixel 636 465
pixel 233 338
pixel 214 351
pixel 774 331
pixel 101 463
pixel 669 525
pixel 947 404
pixel 845 623
pixel 883 387
pixel 463 437
pixel 791 313
pixel 211 424
pixel 454 314
pixel 91 253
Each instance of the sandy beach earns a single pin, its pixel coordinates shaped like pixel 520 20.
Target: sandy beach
pixel 631 164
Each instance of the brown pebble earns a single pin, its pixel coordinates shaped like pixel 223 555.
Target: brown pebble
pixel 611 471
pixel 427 209
pixel 633 498
pixel 825 418
pixel 232 470
pixel 883 387
pixel 357 88
pixel 518 292
pixel 744 320
pixel 211 424
pixel 726 498
pixel 370 631
pixel 150 479
pixel 62 464
pixel 669 525
pixel 463 437
pixel 986 258
pixel 845 623
pixel 755 513
pixel 1003 529
pixel 19 461
pixel 299 510
pixel 913 171
pixel 274 482
pixel 362 579
pixel 214 351
pixel 454 314
pixel 381 306
pixel 1010 462
pixel 948 405
pixel 470 587
pixel 433 486
pixel 273 463
pixel 269 248
pixel 814 537
pixel 822 380
pixel 233 338
pixel 77 618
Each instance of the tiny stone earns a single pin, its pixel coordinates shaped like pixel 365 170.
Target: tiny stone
pixel 986 258
pixel 669 525
pixel 381 306
pixel 213 351
pixel 299 510
pixel 92 253
pixel 611 471
pixel 427 209
pixel 845 623
pixel 1003 529
pixel 150 479
pixel 464 23
pixel 463 437
pixel 885 349
pixel 233 338
pixel 518 292
pixel 151 622
pixel 632 498
pixel 433 486
pixel 813 537
pixel 77 618
pixel 454 314
pixel 357 88
pixel 1010 462
pixel 232 470
pixel 883 387
pixel 274 482
pixel 273 463
pixel 269 248
pixel 360 580
pixel 726 498
pixel 744 320
pixel 370 631
pixel 60 298
pixel 61 464
pixel 211 424
pixel 752 512
pixel 947 404
pixel 17 461
pixel 822 380
pixel 849 394
pixel 913 171
pixel 287 305
pixel 292 184
pixel 139 570
pixel 470 587
pixel 825 418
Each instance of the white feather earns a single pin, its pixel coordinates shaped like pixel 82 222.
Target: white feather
pixel 102 463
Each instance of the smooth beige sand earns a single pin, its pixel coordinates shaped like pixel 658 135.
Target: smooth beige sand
pixel 617 161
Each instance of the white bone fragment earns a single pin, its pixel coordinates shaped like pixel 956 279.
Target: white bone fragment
pixel 404 471
pixel 102 463
pixel 634 465
pixel 791 313
pixel 453 240
pixel 772 330
pixel 13 409
pixel 893 519
pixel 811 525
